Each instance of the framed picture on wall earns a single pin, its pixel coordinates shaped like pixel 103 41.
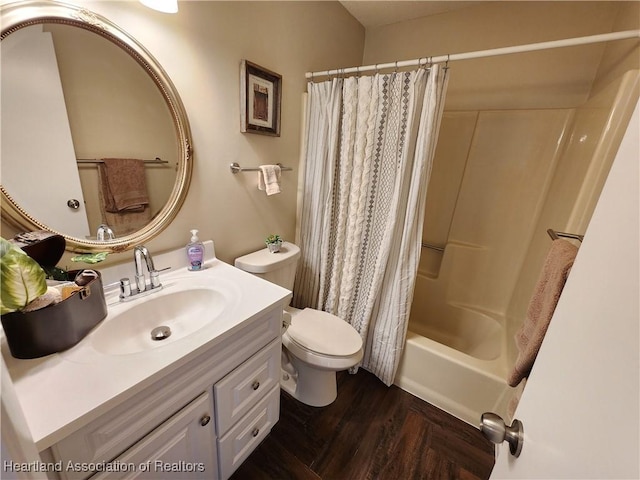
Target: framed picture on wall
pixel 260 97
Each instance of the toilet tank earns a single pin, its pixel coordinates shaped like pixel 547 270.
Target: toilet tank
pixel 278 268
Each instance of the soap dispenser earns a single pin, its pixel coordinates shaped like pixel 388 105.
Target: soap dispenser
pixel 195 252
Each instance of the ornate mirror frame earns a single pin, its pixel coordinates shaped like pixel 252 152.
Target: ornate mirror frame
pixel 23 14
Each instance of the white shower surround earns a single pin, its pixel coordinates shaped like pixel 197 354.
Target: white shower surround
pixel 457 356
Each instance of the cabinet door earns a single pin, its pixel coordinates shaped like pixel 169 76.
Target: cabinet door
pixel 183 447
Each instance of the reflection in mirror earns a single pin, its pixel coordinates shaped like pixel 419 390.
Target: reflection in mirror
pixel 114 110
pixel 76 90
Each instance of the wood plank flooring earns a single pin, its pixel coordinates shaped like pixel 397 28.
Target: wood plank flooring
pixel 371 432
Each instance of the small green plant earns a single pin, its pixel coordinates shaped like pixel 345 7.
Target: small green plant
pixel 273 239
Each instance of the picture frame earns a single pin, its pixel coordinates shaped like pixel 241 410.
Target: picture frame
pixel 260 99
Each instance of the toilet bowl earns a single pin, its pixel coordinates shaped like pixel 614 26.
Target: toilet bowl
pixel 316 344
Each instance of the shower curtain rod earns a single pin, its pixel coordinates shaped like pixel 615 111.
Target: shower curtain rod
pixel 569 42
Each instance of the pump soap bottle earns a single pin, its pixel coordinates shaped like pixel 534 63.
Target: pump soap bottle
pixel 195 252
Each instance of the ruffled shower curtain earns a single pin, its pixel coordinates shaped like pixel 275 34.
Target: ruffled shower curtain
pixel 369 147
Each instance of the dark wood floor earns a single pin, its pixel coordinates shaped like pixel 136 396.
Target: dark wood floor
pixel 370 432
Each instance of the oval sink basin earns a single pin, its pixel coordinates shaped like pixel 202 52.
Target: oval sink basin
pixel 183 312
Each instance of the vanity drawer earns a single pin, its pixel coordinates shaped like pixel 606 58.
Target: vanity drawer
pixel 240 390
pixel 243 438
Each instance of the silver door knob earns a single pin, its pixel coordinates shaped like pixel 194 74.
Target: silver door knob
pixel 493 428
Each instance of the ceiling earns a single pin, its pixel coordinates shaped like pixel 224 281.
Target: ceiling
pixel 384 12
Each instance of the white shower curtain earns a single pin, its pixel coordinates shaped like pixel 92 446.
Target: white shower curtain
pixel 369 145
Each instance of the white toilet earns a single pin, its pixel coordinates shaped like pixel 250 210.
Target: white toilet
pixel 316 344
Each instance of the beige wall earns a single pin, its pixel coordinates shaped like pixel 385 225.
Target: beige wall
pixel 201 48
pixel 548 79
pixel 621 56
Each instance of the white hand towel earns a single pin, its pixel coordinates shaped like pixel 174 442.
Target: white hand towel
pixel 269 179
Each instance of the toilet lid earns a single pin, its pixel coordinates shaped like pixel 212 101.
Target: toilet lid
pixel 324 333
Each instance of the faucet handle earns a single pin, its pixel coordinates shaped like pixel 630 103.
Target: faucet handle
pixel 154 276
pixel 125 288
pixel 155 279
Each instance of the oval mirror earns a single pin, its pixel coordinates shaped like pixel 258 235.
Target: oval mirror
pixel 88 116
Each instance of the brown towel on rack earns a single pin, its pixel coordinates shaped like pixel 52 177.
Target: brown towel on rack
pixel 543 303
pixel 123 184
pixel 123 195
pixel 125 223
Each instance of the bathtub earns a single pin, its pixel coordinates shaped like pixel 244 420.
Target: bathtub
pixel 457 363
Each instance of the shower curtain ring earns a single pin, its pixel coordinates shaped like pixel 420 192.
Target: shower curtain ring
pixel 395 69
pixel 357 72
pixel 446 65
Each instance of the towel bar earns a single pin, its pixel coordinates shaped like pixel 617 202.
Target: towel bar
pixel 555 235
pixel 97 160
pixel 235 168
pixel 438 248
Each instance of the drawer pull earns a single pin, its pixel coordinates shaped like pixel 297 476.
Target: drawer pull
pixel 255 432
pixel 205 420
pixel 255 385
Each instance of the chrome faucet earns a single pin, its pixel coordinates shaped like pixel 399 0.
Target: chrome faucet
pixel 141 253
pixel 141 257
pixel 104 233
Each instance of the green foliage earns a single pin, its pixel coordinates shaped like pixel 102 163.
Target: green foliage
pixel 23 280
pixel 90 257
pixel 274 238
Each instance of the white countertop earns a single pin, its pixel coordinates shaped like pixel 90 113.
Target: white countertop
pixel 62 392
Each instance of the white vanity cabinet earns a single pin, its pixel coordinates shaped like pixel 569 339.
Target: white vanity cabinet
pixel 198 420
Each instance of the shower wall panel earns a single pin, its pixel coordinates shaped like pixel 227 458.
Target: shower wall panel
pixel 590 148
pixel 499 194
pixel 454 142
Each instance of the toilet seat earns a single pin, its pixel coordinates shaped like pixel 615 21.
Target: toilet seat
pixel 323 334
